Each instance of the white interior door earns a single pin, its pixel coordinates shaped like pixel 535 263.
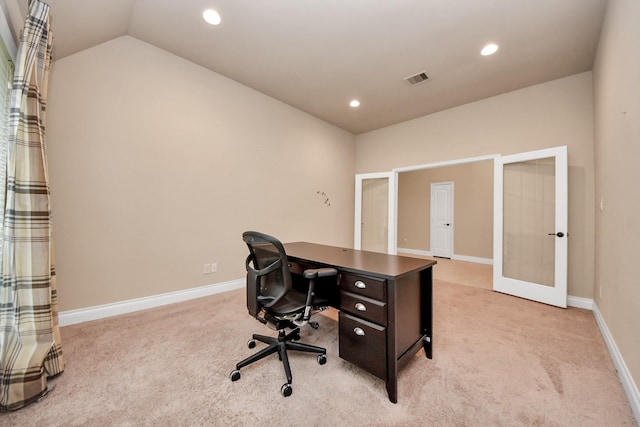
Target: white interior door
pixel 441 231
pixel 530 228
pixel 375 211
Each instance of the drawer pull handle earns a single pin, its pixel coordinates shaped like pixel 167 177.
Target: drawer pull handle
pixel 360 284
pixel 358 331
pixel 361 307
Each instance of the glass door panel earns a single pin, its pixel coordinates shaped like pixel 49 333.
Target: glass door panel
pixel 528 212
pixel 375 215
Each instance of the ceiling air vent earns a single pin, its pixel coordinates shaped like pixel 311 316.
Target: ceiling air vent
pixel 417 79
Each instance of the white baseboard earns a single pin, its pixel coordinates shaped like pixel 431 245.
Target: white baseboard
pixel 414 252
pixel 72 317
pixel 629 386
pixel 477 260
pixel 580 302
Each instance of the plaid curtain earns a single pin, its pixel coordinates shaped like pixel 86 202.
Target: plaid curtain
pixel 30 348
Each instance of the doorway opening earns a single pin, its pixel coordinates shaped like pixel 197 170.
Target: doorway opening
pixel 472 217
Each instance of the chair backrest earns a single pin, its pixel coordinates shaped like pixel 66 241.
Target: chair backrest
pixel 268 275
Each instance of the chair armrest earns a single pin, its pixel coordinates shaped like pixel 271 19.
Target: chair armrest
pixel 312 275
pixel 319 272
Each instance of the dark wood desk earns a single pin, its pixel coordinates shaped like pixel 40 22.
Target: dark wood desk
pixel 385 303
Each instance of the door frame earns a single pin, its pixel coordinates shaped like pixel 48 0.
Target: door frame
pixel 451 186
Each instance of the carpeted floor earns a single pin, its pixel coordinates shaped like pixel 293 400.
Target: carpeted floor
pixel 464 273
pixel 498 361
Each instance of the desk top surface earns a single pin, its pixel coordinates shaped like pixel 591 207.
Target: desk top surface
pixel 357 261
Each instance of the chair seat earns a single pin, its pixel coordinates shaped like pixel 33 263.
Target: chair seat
pixel 293 302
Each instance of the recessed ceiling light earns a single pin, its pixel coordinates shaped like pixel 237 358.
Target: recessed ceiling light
pixel 489 49
pixel 354 103
pixel 211 16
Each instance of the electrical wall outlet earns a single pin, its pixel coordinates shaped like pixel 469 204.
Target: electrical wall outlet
pixel 210 268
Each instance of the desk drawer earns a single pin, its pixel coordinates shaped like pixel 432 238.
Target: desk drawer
pixel 363 285
pixel 366 308
pixel 363 344
pixel 298 267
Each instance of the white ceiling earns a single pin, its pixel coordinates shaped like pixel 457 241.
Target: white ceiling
pixel 317 55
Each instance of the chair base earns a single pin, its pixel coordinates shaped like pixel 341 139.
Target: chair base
pixel 280 345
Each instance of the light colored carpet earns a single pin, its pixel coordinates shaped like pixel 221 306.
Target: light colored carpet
pixel 498 361
pixel 464 273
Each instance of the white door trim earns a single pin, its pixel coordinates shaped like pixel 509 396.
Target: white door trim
pixel 446 163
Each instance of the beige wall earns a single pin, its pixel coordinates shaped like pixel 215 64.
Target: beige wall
pixel 158 165
pixel 473 208
pixel 617 148
pixel 556 113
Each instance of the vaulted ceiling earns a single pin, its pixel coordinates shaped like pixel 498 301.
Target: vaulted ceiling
pixel 317 55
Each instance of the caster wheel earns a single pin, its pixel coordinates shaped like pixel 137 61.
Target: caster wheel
pixel 251 343
pixel 286 390
pixel 235 375
pixel 322 359
pixel 314 325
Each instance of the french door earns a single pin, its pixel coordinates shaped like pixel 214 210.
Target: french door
pixel 375 212
pixel 530 225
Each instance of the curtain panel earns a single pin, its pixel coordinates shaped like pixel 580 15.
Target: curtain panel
pixel 30 346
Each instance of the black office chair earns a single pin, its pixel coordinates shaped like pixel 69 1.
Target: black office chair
pixel 271 298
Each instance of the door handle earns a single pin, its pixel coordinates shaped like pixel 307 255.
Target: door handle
pixel 559 234
pixel 447 224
